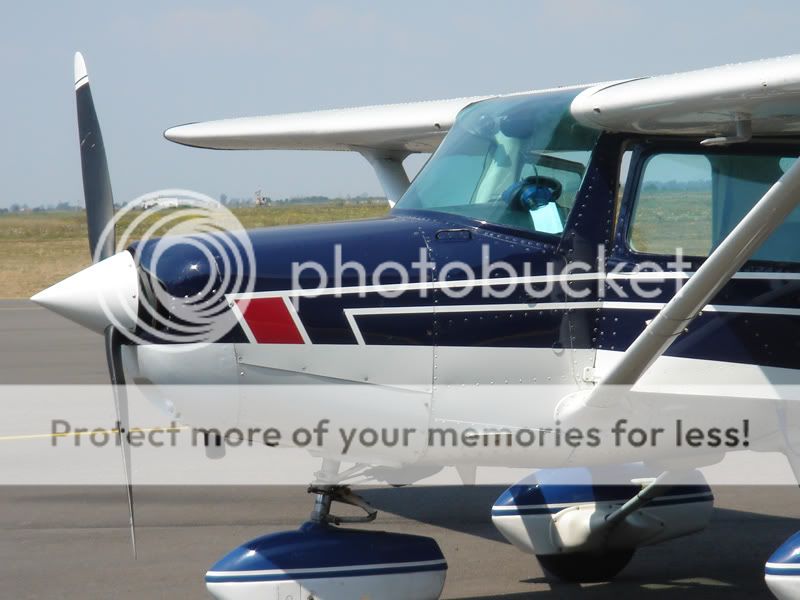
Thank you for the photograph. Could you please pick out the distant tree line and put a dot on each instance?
(697, 185)
(224, 199)
(266, 201)
(21, 208)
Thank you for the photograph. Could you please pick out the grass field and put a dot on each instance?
(40, 249)
(666, 219)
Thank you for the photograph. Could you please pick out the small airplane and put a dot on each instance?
(603, 189)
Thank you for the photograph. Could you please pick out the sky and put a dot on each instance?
(157, 64)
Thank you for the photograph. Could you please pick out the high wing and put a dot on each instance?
(411, 127)
(764, 94)
(724, 104)
(385, 135)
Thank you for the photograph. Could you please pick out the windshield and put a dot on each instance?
(515, 161)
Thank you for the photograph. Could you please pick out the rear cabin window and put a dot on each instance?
(687, 203)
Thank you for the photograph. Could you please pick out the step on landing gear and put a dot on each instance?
(321, 560)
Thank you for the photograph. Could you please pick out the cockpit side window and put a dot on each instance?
(688, 202)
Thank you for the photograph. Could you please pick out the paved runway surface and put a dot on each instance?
(59, 542)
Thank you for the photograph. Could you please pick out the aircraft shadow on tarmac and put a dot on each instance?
(726, 560)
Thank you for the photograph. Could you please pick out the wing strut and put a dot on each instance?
(671, 321)
(389, 168)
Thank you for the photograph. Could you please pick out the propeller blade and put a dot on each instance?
(114, 339)
(94, 167)
(99, 213)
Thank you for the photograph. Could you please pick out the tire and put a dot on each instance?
(585, 567)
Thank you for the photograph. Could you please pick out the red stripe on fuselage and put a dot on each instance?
(270, 321)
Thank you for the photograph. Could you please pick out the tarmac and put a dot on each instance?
(74, 542)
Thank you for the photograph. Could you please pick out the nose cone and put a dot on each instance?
(107, 293)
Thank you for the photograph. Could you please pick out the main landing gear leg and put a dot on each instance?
(322, 560)
(326, 492)
(325, 496)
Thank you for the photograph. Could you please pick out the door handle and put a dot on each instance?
(454, 235)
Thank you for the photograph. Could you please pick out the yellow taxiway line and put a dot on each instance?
(38, 436)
